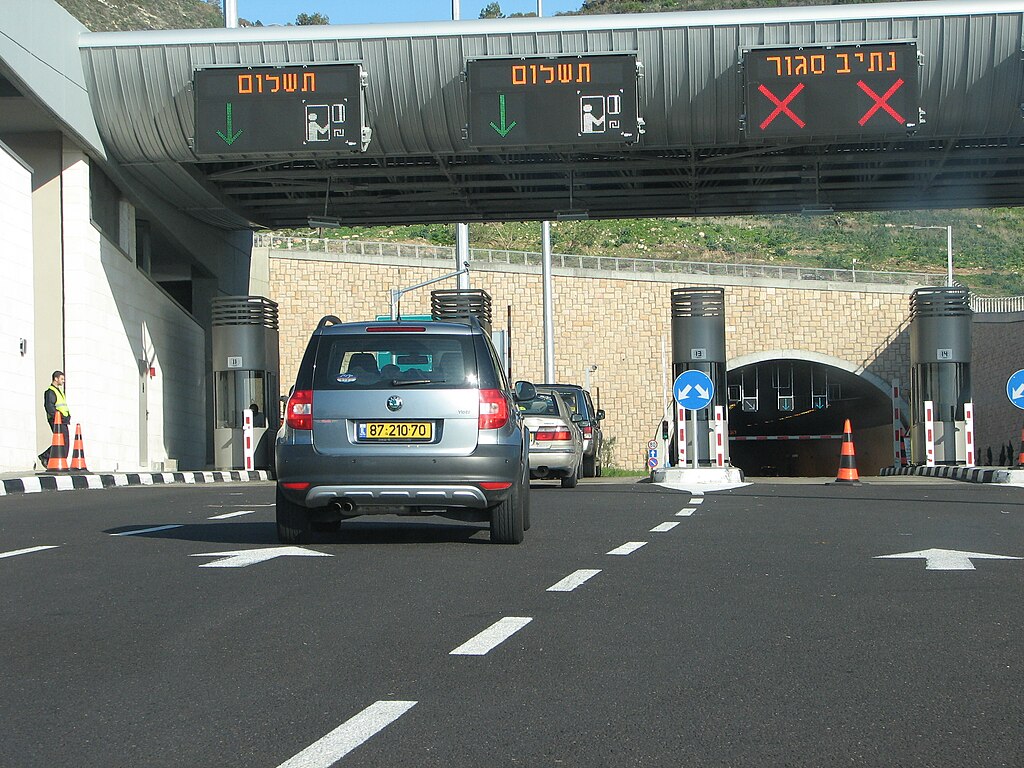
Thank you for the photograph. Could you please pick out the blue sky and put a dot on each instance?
(376, 11)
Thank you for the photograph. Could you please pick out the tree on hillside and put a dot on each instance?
(311, 19)
(492, 11)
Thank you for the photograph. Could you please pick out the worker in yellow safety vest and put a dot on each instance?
(54, 402)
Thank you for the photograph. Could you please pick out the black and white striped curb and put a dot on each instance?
(967, 474)
(71, 482)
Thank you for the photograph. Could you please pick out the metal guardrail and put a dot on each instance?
(605, 263)
(1002, 304)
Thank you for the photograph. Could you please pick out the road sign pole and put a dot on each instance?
(696, 442)
(681, 447)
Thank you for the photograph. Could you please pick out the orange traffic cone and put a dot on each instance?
(78, 452)
(847, 458)
(58, 461)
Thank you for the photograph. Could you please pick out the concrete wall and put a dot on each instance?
(118, 325)
(620, 324)
(18, 397)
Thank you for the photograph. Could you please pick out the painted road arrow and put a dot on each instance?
(946, 559)
(503, 131)
(229, 137)
(244, 557)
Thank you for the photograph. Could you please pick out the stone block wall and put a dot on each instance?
(621, 323)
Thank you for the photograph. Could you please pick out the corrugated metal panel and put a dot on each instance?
(691, 94)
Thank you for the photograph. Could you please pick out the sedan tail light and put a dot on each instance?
(493, 409)
(299, 413)
(544, 434)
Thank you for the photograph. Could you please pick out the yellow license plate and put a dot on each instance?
(395, 430)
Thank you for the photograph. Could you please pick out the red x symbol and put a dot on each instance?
(781, 106)
(881, 102)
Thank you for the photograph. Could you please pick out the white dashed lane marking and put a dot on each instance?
(148, 530)
(349, 735)
(663, 527)
(628, 548)
(696, 501)
(492, 637)
(28, 551)
(573, 580)
(685, 512)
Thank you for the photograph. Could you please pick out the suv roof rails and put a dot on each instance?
(327, 320)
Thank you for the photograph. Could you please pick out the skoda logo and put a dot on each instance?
(394, 403)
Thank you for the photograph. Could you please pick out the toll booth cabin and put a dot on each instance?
(246, 372)
(940, 359)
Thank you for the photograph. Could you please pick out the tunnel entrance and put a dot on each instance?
(786, 419)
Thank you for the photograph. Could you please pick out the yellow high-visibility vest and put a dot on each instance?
(61, 404)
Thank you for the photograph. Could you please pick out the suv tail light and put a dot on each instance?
(588, 432)
(548, 433)
(493, 409)
(299, 413)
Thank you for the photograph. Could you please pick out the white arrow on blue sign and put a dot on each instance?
(693, 390)
(1015, 388)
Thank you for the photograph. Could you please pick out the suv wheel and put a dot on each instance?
(293, 524)
(507, 517)
(526, 495)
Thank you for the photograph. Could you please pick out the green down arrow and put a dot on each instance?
(229, 137)
(503, 131)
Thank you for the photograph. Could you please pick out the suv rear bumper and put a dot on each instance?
(409, 481)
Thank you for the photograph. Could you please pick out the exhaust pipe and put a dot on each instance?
(541, 472)
(344, 506)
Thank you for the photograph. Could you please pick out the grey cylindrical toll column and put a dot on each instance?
(246, 371)
(940, 370)
(698, 343)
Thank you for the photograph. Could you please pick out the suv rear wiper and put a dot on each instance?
(407, 382)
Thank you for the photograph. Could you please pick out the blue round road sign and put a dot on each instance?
(1015, 388)
(693, 390)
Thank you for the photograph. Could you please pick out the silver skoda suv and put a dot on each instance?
(403, 417)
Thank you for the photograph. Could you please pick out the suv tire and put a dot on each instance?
(507, 518)
(293, 523)
(526, 495)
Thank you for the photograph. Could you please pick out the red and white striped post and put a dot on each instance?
(929, 433)
(681, 421)
(969, 426)
(248, 447)
(719, 436)
(897, 424)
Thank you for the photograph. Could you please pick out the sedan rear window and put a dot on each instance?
(388, 360)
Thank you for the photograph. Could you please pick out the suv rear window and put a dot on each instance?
(385, 360)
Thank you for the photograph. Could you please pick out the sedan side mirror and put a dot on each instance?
(577, 418)
(524, 390)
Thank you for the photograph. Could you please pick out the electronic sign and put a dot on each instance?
(571, 100)
(256, 110)
(832, 90)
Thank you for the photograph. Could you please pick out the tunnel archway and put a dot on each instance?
(787, 409)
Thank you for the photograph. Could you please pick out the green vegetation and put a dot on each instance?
(126, 15)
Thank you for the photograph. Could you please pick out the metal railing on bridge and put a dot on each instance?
(619, 264)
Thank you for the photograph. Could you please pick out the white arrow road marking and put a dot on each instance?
(663, 527)
(28, 551)
(244, 557)
(685, 512)
(628, 548)
(946, 559)
(226, 515)
(492, 637)
(148, 530)
(573, 580)
(349, 735)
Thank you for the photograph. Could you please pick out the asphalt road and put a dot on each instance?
(753, 627)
